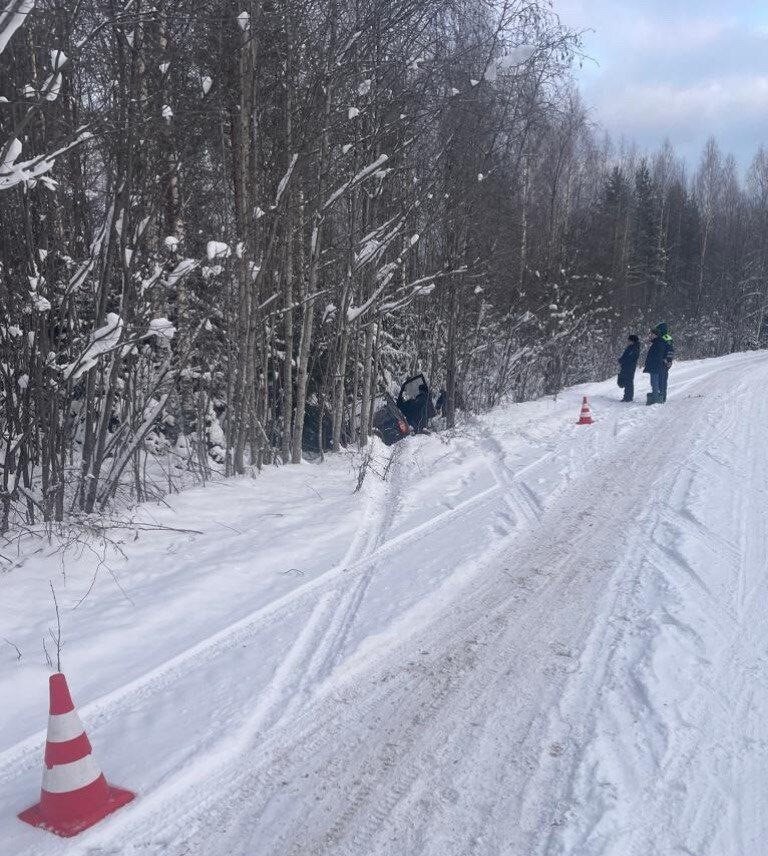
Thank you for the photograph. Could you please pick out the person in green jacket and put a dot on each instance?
(658, 362)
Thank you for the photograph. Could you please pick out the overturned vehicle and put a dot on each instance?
(412, 411)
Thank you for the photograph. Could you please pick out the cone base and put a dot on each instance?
(586, 422)
(69, 828)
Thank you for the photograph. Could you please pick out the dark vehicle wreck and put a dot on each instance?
(411, 413)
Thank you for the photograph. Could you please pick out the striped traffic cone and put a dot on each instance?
(586, 413)
(75, 794)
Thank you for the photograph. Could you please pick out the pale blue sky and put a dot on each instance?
(678, 69)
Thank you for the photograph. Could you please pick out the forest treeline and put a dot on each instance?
(221, 223)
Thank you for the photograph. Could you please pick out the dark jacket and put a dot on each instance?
(660, 354)
(628, 362)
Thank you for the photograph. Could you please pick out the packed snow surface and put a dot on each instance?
(531, 638)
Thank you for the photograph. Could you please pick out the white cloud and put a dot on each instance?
(655, 104)
(659, 35)
(672, 68)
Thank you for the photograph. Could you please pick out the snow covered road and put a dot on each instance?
(532, 638)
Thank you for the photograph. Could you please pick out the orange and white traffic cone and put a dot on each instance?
(586, 413)
(75, 795)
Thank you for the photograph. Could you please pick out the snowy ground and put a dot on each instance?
(532, 638)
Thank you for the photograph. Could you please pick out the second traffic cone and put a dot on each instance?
(586, 413)
(75, 795)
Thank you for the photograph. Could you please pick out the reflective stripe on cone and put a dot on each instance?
(64, 726)
(72, 776)
(586, 415)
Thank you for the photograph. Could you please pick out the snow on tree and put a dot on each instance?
(103, 340)
(217, 250)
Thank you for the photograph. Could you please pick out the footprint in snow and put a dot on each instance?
(560, 650)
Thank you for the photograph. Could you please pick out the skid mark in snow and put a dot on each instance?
(518, 497)
(364, 551)
(238, 741)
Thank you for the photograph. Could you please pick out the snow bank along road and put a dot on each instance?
(532, 638)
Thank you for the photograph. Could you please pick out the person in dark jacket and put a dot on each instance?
(627, 366)
(658, 362)
(420, 410)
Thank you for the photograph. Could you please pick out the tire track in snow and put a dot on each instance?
(343, 612)
(25, 754)
(583, 693)
(662, 804)
(740, 659)
(331, 642)
(704, 817)
(517, 496)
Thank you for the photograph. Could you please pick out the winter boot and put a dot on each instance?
(651, 399)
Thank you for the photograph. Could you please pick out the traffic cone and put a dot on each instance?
(586, 413)
(75, 795)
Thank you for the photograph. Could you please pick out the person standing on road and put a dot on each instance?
(658, 362)
(627, 366)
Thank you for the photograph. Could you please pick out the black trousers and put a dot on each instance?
(629, 388)
(663, 378)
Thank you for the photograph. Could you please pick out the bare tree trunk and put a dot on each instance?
(376, 370)
(288, 242)
(450, 358)
(365, 407)
(285, 440)
(315, 251)
(523, 230)
(242, 174)
(353, 422)
(305, 340)
(339, 391)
